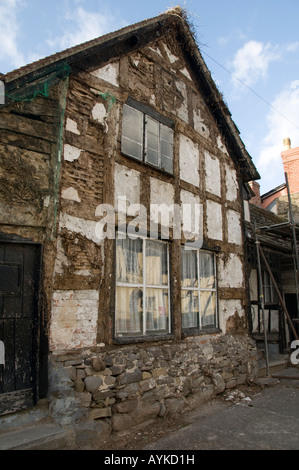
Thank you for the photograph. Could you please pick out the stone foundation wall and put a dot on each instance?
(125, 386)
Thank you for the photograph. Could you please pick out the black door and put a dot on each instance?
(291, 305)
(19, 273)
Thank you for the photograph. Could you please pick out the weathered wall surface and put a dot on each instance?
(127, 386)
(90, 376)
(29, 172)
(29, 147)
(94, 172)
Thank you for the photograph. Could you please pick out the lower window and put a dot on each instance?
(142, 287)
(199, 294)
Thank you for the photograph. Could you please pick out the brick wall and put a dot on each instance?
(290, 159)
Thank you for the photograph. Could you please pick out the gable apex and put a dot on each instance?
(99, 52)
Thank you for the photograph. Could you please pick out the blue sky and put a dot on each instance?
(251, 48)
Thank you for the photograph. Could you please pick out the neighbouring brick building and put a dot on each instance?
(110, 332)
(270, 215)
(276, 200)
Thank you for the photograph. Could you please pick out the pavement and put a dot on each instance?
(267, 421)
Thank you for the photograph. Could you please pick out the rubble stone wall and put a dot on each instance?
(127, 386)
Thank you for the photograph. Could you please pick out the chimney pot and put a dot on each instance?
(287, 143)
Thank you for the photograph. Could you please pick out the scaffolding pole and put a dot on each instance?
(279, 294)
(294, 244)
(261, 295)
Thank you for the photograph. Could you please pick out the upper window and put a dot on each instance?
(198, 284)
(147, 138)
(142, 287)
(270, 296)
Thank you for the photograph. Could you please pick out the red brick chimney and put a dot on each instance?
(290, 160)
(256, 200)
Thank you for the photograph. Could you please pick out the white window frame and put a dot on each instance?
(144, 140)
(198, 289)
(144, 286)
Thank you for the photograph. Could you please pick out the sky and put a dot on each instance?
(250, 47)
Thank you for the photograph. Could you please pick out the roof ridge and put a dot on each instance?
(56, 56)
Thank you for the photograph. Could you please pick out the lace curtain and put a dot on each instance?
(142, 287)
(198, 297)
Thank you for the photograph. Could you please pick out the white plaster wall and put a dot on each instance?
(162, 200)
(228, 308)
(185, 72)
(231, 184)
(234, 230)
(182, 111)
(127, 185)
(61, 260)
(189, 212)
(74, 319)
(172, 58)
(230, 272)
(199, 124)
(72, 126)
(221, 145)
(189, 161)
(161, 192)
(87, 228)
(71, 153)
(109, 73)
(213, 181)
(214, 220)
(189, 198)
(71, 194)
(99, 114)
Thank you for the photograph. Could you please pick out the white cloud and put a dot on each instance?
(292, 47)
(82, 25)
(9, 30)
(280, 124)
(252, 61)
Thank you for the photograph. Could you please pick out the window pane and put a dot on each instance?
(129, 261)
(152, 141)
(152, 127)
(167, 164)
(189, 268)
(156, 304)
(270, 295)
(166, 149)
(166, 145)
(133, 124)
(156, 264)
(208, 309)
(131, 148)
(207, 271)
(190, 309)
(132, 133)
(166, 134)
(128, 311)
(152, 157)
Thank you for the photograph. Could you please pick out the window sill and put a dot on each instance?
(148, 165)
(196, 332)
(143, 339)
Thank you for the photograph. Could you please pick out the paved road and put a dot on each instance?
(269, 422)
